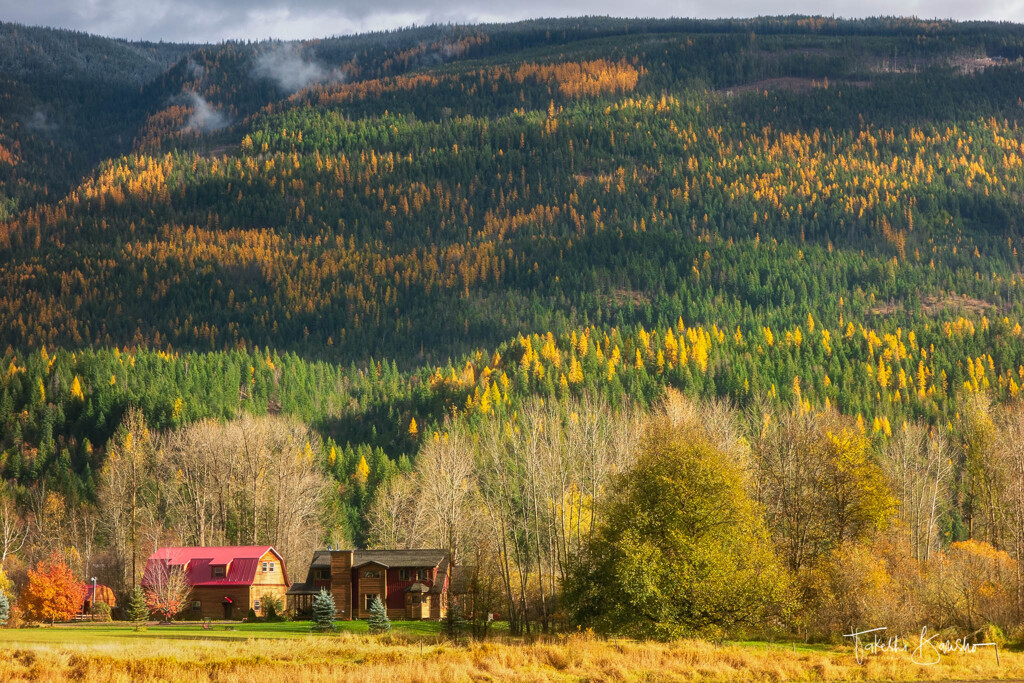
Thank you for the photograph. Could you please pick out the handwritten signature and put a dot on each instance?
(928, 651)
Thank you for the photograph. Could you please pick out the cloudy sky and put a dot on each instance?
(214, 20)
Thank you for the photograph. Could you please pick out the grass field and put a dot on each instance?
(99, 633)
(416, 652)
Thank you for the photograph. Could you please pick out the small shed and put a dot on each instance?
(93, 595)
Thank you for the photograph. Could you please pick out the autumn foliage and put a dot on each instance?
(53, 592)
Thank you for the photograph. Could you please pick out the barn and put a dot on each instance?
(226, 581)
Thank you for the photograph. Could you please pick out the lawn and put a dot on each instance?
(105, 633)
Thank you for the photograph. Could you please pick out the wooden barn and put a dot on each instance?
(226, 581)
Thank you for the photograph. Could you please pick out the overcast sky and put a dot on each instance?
(215, 20)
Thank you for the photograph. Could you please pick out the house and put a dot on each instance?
(413, 584)
(225, 581)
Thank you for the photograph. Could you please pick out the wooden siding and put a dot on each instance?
(269, 578)
(258, 592)
(396, 585)
(211, 599)
(370, 586)
(341, 583)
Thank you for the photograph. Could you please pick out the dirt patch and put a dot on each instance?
(930, 305)
(219, 151)
(971, 65)
(630, 296)
(791, 83)
(965, 64)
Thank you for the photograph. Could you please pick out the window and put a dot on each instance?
(371, 574)
(264, 567)
(368, 600)
(322, 574)
(256, 605)
(197, 605)
(422, 574)
(218, 571)
(403, 574)
(271, 566)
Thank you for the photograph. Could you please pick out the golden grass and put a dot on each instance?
(349, 657)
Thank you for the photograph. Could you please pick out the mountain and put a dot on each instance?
(366, 230)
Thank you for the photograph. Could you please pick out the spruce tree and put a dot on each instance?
(454, 620)
(136, 610)
(323, 611)
(5, 609)
(378, 621)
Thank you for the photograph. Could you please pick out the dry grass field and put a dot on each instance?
(26, 655)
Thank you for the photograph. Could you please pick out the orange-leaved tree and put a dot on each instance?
(167, 589)
(53, 592)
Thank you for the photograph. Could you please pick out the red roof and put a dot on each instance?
(241, 562)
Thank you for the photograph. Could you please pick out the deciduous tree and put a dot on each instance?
(53, 592)
(166, 588)
(683, 549)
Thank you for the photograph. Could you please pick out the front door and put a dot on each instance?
(227, 609)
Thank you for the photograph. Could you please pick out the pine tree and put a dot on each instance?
(5, 609)
(378, 621)
(136, 610)
(323, 611)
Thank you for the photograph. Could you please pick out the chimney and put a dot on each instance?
(341, 582)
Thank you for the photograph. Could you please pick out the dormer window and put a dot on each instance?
(219, 571)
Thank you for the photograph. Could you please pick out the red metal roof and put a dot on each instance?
(241, 562)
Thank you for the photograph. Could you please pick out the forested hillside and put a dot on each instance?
(380, 239)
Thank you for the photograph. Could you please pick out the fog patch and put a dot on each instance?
(291, 71)
(204, 118)
(195, 69)
(39, 121)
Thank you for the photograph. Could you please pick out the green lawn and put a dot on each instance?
(94, 633)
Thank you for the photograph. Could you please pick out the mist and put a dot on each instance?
(204, 118)
(39, 121)
(291, 72)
